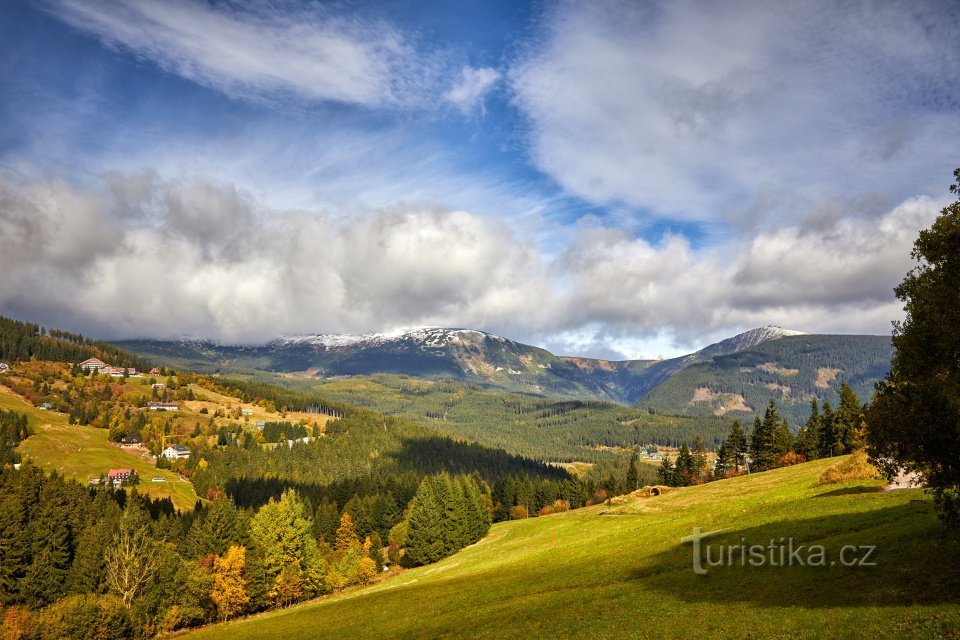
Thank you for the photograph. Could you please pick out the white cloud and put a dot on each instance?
(260, 50)
(140, 257)
(694, 110)
(469, 93)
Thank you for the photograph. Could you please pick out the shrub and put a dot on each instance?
(855, 467)
(86, 617)
(17, 624)
(791, 458)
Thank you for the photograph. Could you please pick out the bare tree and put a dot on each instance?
(132, 560)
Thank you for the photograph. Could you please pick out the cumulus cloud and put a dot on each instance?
(468, 94)
(155, 257)
(694, 110)
(260, 50)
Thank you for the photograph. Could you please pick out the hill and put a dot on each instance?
(83, 452)
(791, 370)
(532, 426)
(621, 571)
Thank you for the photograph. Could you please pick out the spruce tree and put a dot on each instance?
(737, 443)
(633, 474)
(424, 525)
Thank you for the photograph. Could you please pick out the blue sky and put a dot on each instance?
(616, 179)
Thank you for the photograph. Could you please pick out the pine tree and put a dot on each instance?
(424, 542)
(14, 548)
(827, 440)
(633, 474)
(737, 443)
(684, 466)
(666, 472)
(849, 420)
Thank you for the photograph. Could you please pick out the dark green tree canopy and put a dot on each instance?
(914, 421)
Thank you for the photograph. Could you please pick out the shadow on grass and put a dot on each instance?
(847, 491)
(913, 561)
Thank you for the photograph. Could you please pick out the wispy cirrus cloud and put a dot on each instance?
(692, 110)
(261, 50)
(469, 92)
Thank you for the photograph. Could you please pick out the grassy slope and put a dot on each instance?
(83, 452)
(621, 572)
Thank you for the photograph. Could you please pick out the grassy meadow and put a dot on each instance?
(620, 571)
(84, 452)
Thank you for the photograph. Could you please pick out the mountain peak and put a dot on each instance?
(744, 340)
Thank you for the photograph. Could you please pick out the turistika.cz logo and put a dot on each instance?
(779, 552)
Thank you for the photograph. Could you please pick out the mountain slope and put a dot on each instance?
(588, 574)
(458, 354)
(791, 370)
(498, 363)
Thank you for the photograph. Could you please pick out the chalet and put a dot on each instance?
(44, 406)
(133, 442)
(159, 386)
(119, 476)
(163, 406)
(176, 452)
(154, 371)
(4, 367)
(93, 364)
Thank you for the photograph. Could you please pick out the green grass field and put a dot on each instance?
(621, 571)
(83, 452)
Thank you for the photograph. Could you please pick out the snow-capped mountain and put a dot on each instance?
(458, 354)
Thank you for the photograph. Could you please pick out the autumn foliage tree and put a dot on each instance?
(229, 591)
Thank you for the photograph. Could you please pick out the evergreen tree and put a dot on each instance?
(14, 548)
(914, 421)
(684, 467)
(633, 474)
(827, 433)
(424, 525)
(849, 420)
(768, 439)
(737, 443)
(666, 472)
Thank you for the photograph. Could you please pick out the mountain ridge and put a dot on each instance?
(469, 355)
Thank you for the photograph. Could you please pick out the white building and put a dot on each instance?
(176, 452)
(93, 364)
(162, 406)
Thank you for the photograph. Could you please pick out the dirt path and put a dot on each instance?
(905, 480)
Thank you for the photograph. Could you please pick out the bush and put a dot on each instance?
(855, 467)
(86, 617)
(518, 512)
(791, 458)
(18, 624)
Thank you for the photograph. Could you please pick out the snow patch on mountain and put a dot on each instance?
(433, 337)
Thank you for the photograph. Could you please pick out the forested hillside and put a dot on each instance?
(792, 371)
(532, 426)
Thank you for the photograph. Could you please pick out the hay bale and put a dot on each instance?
(652, 491)
(855, 467)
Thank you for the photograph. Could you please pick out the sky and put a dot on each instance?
(603, 179)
